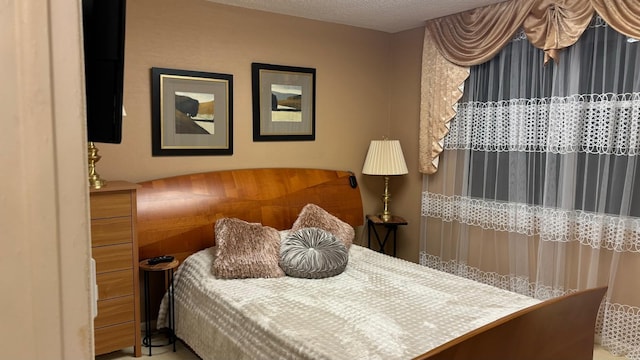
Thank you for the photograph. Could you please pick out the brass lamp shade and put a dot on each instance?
(385, 158)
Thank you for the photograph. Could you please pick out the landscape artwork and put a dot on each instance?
(286, 103)
(194, 113)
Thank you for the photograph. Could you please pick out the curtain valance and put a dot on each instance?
(455, 42)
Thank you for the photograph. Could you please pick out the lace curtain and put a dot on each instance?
(453, 43)
(538, 187)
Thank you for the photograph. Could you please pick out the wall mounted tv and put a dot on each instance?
(103, 23)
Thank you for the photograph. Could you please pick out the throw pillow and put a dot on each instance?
(246, 250)
(313, 253)
(313, 215)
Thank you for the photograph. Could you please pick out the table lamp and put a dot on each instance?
(385, 158)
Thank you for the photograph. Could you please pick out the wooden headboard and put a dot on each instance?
(176, 214)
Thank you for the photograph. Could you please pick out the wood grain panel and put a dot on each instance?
(115, 284)
(110, 231)
(116, 337)
(111, 204)
(559, 328)
(114, 311)
(176, 215)
(113, 258)
(115, 249)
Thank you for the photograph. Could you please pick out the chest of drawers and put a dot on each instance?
(114, 247)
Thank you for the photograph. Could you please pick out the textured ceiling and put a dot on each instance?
(384, 15)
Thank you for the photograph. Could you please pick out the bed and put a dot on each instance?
(377, 307)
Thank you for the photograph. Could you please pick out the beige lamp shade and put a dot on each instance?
(384, 157)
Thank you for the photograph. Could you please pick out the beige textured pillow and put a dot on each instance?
(246, 250)
(313, 215)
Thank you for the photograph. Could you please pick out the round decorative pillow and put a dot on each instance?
(313, 253)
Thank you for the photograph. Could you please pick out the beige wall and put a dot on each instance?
(364, 78)
(44, 218)
(404, 122)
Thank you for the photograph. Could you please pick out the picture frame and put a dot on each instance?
(176, 96)
(284, 102)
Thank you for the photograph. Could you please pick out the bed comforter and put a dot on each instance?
(380, 307)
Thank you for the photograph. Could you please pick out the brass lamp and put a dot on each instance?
(385, 158)
(95, 182)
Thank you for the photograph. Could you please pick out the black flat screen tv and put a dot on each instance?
(103, 23)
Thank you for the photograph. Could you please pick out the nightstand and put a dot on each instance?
(391, 227)
(167, 268)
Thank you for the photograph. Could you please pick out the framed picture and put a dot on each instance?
(284, 102)
(192, 113)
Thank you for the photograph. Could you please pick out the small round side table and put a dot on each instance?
(167, 268)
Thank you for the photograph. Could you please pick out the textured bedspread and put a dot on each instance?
(379, 308)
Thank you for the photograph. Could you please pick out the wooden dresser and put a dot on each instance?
(114, 246)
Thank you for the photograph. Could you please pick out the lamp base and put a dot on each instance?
(386, 198)
(95, 182)
(385, 217)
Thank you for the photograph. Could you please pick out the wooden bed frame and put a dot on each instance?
(176, 216)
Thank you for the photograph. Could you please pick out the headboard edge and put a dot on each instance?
(176, 214)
